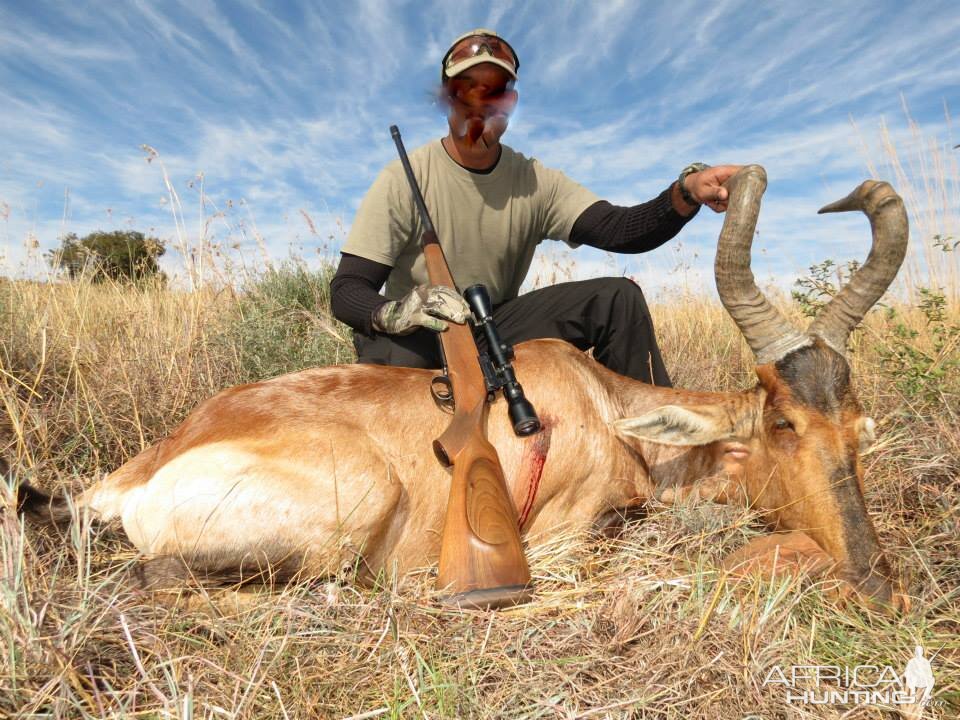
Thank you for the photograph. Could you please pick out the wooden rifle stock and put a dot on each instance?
(482, 562)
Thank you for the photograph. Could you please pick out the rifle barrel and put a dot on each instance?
(417, 195)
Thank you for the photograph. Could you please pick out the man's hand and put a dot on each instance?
(425, 306)
(707, 188)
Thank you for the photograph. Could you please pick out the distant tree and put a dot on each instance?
(116, 255)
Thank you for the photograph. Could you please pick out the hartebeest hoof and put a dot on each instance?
(887, 601)
(796, 552)
(778, 554)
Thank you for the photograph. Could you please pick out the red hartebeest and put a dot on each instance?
(316, 469)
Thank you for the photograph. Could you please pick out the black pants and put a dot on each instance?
(609, 315)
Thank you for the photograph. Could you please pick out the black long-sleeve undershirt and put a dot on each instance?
(355, 289)
(635, 229)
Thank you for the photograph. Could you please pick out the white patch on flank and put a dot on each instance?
(226, 500)
(198, 492)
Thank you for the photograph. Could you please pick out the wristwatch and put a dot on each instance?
(689, 170)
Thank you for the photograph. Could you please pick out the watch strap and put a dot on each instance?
(689, 170)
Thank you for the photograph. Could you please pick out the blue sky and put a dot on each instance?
(283, 108)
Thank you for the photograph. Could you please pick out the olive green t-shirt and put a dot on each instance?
(488, 224)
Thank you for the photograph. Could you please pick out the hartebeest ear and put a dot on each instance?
(677, 425)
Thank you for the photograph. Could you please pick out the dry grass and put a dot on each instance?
(642, 626)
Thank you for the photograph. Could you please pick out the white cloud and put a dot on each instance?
(284, 107)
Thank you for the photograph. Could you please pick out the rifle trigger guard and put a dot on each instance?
(442, 390)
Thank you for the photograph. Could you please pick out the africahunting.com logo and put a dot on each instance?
(858, 685)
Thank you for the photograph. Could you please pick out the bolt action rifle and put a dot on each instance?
(482, 563)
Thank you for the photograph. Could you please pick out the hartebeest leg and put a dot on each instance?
(716, 489)
(169, 571)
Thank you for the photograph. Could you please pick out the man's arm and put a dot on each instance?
(649, 225)
(634, 229)
(355, 291)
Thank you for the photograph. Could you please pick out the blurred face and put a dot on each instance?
(480, 100)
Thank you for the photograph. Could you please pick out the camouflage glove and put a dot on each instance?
(424, 306)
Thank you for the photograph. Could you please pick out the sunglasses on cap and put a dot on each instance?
(477, 45)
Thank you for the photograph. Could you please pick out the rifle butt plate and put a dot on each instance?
(489, 598)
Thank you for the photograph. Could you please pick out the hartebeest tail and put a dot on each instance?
(42, 508)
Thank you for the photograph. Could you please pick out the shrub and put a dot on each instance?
(815, 290)
(923, 372)
(115, 255)
(284, 323)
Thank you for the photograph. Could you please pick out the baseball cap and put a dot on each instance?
(479, 46)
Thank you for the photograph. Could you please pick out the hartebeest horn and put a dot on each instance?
(766, 331)
(888, 221)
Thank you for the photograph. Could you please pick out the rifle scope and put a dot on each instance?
(522, 414)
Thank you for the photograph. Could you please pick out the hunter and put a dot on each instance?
(491, 207)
